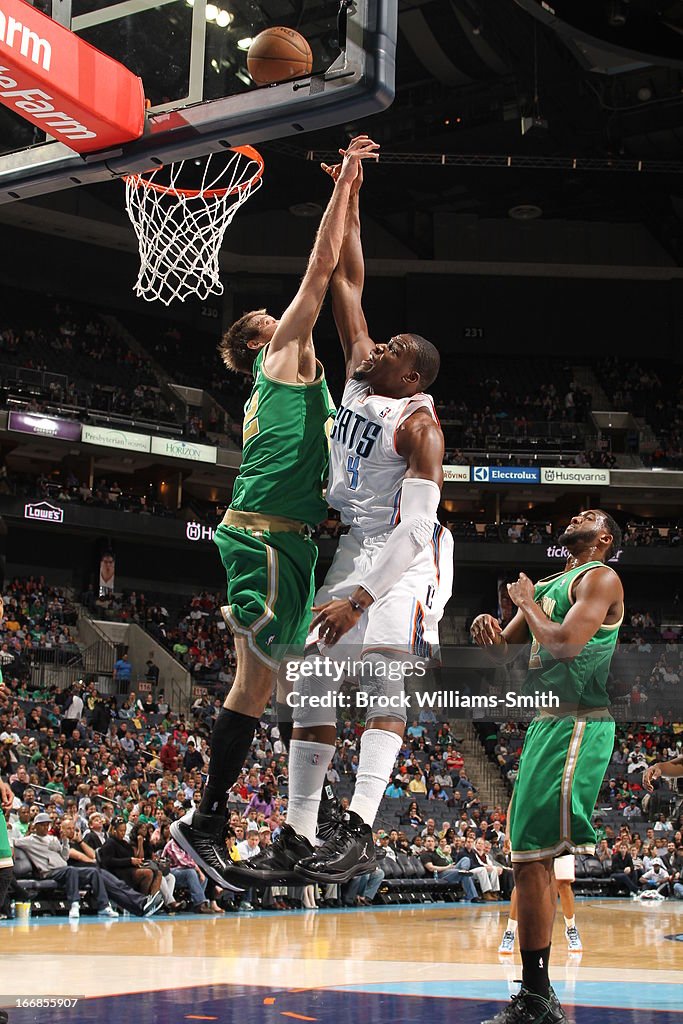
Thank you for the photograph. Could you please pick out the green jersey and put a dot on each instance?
(583, 680)
(285, 448)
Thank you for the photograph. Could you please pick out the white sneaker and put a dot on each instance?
(108, 911)
(507, 943)
(573, 940)
(74, 912)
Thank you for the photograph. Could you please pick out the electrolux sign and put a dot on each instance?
(506, 475)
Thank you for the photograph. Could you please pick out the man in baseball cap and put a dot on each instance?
(48, 856)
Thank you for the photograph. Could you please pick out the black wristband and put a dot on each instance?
(355, 605)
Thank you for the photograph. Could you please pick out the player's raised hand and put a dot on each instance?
(360, 148)
(485, 630)
(334, 169)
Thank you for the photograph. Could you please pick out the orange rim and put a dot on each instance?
(192, 193)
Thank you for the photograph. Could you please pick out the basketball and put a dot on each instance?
(278, 54)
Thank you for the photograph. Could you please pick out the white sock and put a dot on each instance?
(378, 752)
(511, 926)
(570, 922)
(307, 769)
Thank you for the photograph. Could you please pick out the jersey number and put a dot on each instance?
(353, 468)
(250, 426)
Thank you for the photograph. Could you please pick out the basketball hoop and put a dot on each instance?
(180, 230)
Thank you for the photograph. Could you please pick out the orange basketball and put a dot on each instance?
(278, 54)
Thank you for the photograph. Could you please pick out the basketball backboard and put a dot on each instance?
(191, 57)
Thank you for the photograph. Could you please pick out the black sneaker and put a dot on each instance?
(348, 852)
(530, 1008)
(560, 1017)
(202, 838)
(329, 817)
(275, 865)
(152, 905)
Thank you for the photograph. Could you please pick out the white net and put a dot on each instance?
(180, 231)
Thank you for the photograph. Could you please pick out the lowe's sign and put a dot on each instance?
(506, 475)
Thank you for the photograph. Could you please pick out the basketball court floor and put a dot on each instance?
(437, 963)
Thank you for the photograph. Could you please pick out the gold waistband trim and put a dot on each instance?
(257, 522)
(566, 710)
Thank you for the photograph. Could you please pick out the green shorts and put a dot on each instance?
(5, 848)
(561, 770)
(271, 586)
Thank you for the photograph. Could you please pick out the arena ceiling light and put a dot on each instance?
(525, 211)
(618, 13)
(307, 209)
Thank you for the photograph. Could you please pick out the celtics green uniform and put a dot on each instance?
(5, 848)
(284, 464)
(566, 752)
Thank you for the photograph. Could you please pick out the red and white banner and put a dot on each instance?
(63, 85)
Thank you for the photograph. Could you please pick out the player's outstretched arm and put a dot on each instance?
(348, 281)
(292, 339)
(599, 593)
(668, 769)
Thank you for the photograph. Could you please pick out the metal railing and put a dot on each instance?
(35, 378)
(61, 668)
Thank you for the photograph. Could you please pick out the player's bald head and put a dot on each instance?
(426, 358)
(612, 527)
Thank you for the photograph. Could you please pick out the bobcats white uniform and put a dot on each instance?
(366, 477)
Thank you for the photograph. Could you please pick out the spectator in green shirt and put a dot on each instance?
(56, 785)
(600, 832)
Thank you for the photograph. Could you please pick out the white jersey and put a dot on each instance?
(366, 471)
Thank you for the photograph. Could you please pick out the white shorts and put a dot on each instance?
(405, 619)
(564, 868)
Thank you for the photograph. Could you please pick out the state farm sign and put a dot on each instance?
(63, 85)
